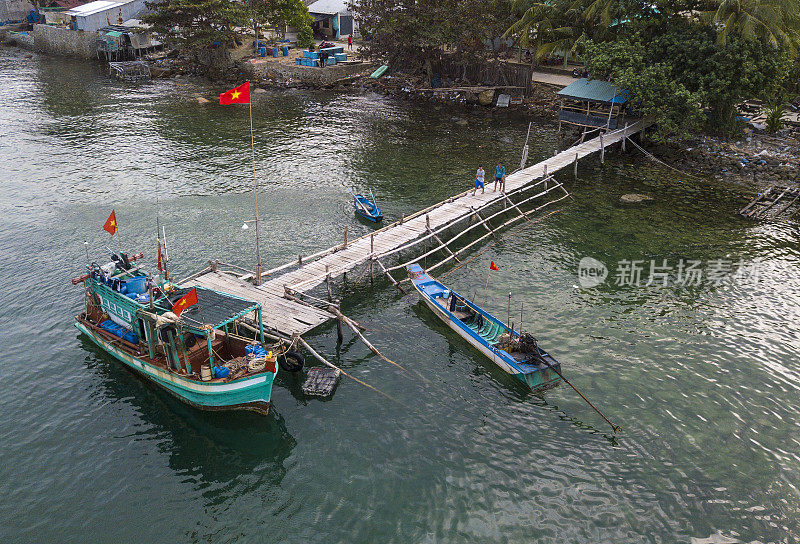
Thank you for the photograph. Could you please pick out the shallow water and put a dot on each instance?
(704, 379)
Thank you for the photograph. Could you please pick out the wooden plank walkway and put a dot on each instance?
(292, 316)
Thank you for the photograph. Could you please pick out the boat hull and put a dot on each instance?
(251, 393)
(539, 380)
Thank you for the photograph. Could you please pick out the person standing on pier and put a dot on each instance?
(479, 177)
(350, 42)
(500, 177)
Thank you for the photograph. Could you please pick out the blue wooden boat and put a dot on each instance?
(208, 356)
(518, 354)
(366, 207)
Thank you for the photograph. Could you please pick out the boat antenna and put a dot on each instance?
(509, 305)
(521, 306)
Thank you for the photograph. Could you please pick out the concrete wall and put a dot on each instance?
(62, 41)
(14, 10)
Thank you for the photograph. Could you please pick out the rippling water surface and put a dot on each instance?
(704, 379)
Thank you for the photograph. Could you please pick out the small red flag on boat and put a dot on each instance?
(493, 266)
(110, 225)
(159, 265)
(184, 302)
(237, 95)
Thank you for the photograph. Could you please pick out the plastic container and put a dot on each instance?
(298, 61)
(205, 373)
(136, 285)
(285, 50)
(221, 372)
(275, 52)
(130, 336)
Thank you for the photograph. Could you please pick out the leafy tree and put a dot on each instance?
(193, 23)
(679, 71)
(199, 23)
(413, 31)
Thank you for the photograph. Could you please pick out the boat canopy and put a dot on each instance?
(213, 308)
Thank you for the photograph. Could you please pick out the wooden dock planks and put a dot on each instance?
(289, 316)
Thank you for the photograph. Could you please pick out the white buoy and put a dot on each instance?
(245, 227)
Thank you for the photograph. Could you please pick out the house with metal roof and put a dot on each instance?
(591, 104)
(96, 15)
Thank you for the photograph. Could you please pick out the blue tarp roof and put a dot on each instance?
(595, 91)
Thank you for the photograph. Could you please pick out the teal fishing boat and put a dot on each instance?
(518, 354)
(203, 346)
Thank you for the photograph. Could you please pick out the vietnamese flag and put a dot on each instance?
(493, 266)
(110, 225)
(184, 302)
(237, 95)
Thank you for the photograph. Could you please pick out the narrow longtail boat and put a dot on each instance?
(211, 355)
(518, 354)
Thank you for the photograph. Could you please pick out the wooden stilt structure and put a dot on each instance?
(760, 206)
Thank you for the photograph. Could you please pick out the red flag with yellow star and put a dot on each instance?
(184, 302)
(237, 95)
(110, 225)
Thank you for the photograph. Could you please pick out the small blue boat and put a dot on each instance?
(367, 208)
(518, 354)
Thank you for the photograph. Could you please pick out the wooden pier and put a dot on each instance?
(763, 206)
(289, 308)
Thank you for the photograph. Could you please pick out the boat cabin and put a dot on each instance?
(212, 340)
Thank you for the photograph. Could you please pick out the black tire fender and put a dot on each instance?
(291, 361)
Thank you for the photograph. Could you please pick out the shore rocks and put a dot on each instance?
(634, 198)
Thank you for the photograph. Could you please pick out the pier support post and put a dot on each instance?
(624, 136)
(345, 237)
(371, 258)
(602, 150)
(328, 282)
(339, 335)
(575, 168)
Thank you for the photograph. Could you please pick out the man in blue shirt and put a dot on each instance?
(500, 177)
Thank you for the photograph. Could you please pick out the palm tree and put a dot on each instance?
(775, 21)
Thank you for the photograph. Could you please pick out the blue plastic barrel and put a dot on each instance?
(274, 51)
(285, 50)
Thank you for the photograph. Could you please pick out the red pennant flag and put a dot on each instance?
(493, 266)
(110, 225)
(159, 265)
(237, 95)
(184, 302)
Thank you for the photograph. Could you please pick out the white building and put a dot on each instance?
(333, 18)
(95, 15)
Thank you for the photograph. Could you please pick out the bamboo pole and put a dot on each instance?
(257, 278)
(394, 282)
(322, 360)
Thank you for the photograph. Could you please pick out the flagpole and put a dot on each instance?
(255, 190)
(119, 239)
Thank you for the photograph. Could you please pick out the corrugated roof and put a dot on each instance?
(97, 7)
(329, 7)
(595, 91)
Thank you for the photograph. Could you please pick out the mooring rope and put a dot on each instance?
(659, 161)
